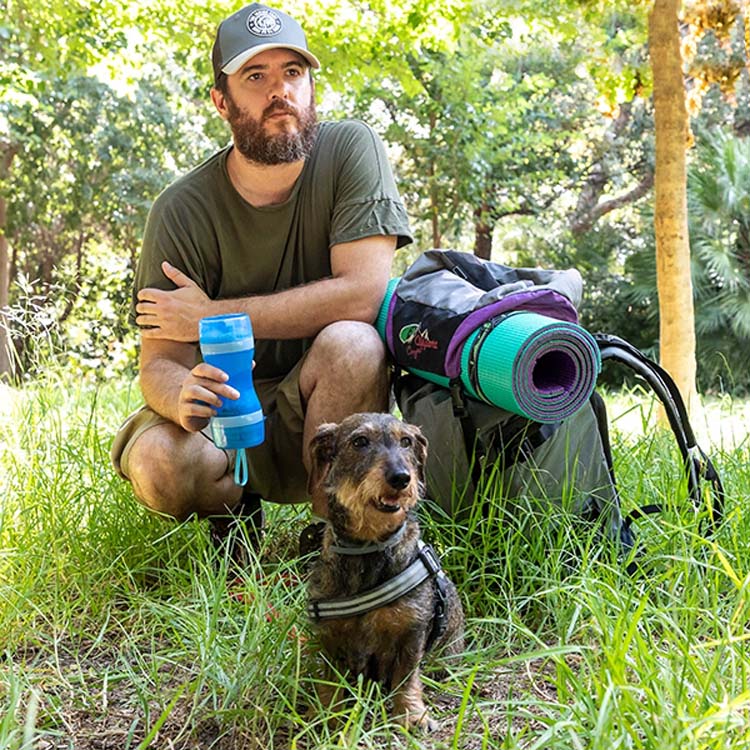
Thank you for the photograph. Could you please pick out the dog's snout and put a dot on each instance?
(398, 478)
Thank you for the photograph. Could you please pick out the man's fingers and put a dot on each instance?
(225, 390)
(149, 294)
(146, 319)
(175, 275)
(204, 370)
(194, 409)
(217, 391)
(197, 396)
(214, 379)
(147, 308)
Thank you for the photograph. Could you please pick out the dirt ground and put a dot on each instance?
(79, 710)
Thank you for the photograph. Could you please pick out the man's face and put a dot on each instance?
(270, 106)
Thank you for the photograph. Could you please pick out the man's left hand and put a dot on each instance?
(172, 315)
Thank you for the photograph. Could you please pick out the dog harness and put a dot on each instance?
(426, 565)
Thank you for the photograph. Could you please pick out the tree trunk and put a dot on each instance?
(674, 283)
(482, 233)
(7, 152)
(435, 214)
(434, 193)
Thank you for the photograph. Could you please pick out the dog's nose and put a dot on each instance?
(398, 479)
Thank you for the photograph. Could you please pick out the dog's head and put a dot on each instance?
(372, 467)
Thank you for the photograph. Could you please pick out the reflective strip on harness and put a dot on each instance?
(426, 565)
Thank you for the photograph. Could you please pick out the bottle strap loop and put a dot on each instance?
(240, 468)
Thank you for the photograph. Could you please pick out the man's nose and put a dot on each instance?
(278, 88)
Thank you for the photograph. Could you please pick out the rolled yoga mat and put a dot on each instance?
(529, 364)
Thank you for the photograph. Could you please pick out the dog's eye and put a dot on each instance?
(406, 442)
(360, 441)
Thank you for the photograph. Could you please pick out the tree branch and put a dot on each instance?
(583, 223)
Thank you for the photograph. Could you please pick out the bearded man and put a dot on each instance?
(294, 223)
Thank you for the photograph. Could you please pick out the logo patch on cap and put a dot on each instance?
(264, 22)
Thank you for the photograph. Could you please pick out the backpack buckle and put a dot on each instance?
(458, 399)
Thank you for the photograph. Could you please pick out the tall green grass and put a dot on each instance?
(119, 629)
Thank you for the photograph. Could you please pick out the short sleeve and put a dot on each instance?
(367, 199)
(171, 235)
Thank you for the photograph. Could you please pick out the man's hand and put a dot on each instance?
(200, 396)
(172, 315)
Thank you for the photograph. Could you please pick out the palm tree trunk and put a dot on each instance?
(674, 283)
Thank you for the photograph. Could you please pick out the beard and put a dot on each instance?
(252, 141)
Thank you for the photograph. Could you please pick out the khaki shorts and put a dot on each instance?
(275, 467)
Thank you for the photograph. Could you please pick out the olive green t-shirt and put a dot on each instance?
(202, 225)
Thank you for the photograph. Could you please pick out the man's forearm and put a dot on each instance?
(160, 381)
(359, 274)
(302, 311)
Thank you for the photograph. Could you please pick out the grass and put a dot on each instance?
(119, 629)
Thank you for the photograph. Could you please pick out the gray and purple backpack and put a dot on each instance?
(492, 365)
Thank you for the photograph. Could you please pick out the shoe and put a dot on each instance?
(239, 535)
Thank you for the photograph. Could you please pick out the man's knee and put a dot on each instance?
(346, 370)
(349, 347)
(165, 472)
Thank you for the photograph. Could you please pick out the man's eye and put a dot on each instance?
(360, 441)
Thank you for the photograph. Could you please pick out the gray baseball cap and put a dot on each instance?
(253, 30)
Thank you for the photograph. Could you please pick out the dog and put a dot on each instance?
(371, 467)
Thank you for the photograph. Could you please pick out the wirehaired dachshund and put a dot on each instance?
(378, 598)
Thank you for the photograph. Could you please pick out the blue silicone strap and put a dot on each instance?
(240, 468)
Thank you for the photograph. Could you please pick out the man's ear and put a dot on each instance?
(220, 102)
(322, 453)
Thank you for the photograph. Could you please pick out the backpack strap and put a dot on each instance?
(475, 448)
(698, 465)
(600, 412)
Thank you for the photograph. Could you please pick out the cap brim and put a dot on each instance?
(239, 60)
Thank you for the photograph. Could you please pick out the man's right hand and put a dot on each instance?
(200, 396)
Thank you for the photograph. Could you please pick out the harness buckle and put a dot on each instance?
(430, 559)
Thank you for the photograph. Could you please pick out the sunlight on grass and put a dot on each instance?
(721, 422)
(121, 630)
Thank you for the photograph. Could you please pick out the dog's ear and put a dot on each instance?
(420, 450)
(322, 452)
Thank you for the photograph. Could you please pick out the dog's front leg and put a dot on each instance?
(331, 695)
(408, 706)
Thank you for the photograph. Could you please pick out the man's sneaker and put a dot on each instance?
(237, 535)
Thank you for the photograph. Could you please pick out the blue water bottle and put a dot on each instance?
(227, 342)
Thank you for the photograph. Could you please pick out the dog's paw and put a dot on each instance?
(419, 721)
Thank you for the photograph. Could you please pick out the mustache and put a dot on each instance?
(280, 106)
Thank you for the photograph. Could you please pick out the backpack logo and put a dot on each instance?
(264, 22)
(416, 340)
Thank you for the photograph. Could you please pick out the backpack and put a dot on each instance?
(433, 319)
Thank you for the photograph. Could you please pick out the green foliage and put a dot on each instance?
(99, 109)
(93, 159)
(480, 101)
(59, 37)
(618, 62)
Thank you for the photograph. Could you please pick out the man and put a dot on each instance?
(295, 223)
